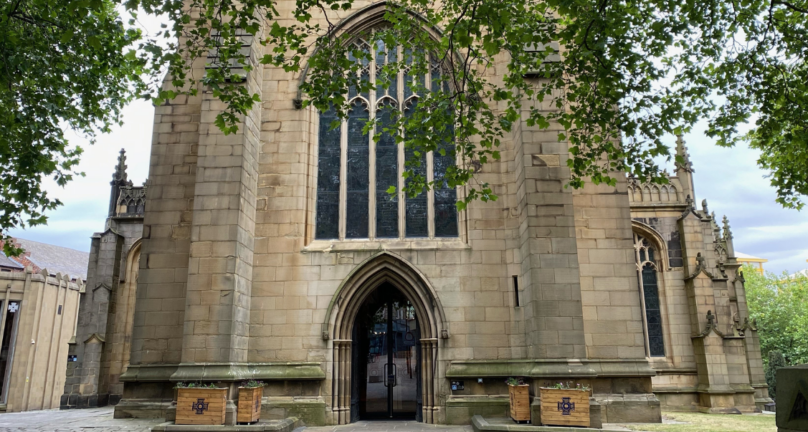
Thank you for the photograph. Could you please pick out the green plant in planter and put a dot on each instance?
(568, 386)
(252, 384)
(515, 381)
(195, 385)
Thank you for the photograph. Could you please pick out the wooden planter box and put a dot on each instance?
(201, 406)
(520, 402)
(249, 404)
(564, 407)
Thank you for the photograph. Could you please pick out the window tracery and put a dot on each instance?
(355, 171)
(646, 259)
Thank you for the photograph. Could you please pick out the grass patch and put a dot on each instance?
(698, 422)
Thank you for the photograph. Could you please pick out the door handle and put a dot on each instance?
(390, 376)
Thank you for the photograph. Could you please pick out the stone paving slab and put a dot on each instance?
(79, 420)
(389, 426)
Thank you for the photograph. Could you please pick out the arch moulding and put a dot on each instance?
(648, 232)
(381, 268)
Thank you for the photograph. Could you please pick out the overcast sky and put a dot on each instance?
(728, 178)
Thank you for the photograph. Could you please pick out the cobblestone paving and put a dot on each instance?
(83, 420)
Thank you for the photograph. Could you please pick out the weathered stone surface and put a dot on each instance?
(547, 283)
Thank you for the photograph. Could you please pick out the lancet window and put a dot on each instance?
(646, 257)
(355, 171)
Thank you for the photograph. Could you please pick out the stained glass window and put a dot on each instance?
(653, 315)
(445, 196)
(358, 173)
(386, 174)
(416, 209)
(354, 198)
(649, 290)
(328, 178)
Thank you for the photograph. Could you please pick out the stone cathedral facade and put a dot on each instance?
(276, 254)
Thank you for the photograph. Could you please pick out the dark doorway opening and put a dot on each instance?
(385, 376)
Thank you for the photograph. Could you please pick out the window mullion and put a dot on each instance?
(372, 169)
(343, 178)
(430, 196)
(402, 200)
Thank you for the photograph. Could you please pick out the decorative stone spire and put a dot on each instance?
(727, 232)
(681, 150)
(684, 168)
(716, 227)
(704, 207)
(728, 240)
(120, 176)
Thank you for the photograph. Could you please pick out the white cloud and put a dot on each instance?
(735, 186)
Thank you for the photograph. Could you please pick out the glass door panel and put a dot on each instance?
(387, 357)
(376, 391)
(404, 332)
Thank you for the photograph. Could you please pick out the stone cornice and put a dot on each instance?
(561, 368)
(277, 371)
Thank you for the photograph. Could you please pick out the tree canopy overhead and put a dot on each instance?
(617, 76)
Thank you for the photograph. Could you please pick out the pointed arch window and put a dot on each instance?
(645, 257)
(355, 172)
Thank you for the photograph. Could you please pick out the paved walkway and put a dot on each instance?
(389, 426)
(83, 420)
(100, 420)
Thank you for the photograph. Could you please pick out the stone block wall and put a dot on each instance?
(45, 325)
(612, 309)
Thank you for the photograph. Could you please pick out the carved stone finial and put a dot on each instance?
(712, 326)
(737, 328)
(716, 227)
(727, 231)
(681, 151)
(721, 269)
(699, 262)
(120, 176)
(704, 206)
(689, 202)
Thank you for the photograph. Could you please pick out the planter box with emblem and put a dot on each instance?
(201, 406)
(564, 407)
(249, 404)
(520, 402)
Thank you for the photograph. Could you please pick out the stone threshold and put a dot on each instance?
(285, 425)
(499, 424)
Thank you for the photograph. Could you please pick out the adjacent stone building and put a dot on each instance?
(276, 254)
(38, 314)
(39, 305)
(102, 343)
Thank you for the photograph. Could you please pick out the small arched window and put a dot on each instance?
(355, 171)
(645, 257)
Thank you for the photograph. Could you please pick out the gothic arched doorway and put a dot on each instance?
(384, 282)
(385, 380)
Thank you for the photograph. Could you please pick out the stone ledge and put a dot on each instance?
(279, 371)
(561, 368)
(480, 424)
(143, 409)
(327, 246)
(285, 425)
(310, 411)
